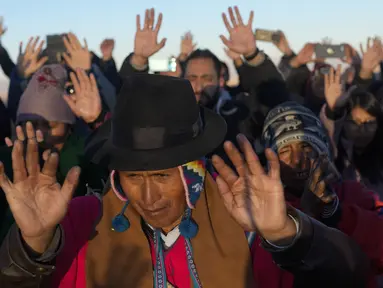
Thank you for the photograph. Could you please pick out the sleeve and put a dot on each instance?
(6, 62)
(321, 256)
(265, 85)
(128, 69)
(19, 269)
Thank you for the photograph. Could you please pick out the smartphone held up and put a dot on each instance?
(267, 35)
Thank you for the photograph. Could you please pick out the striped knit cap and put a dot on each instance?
(291, 122)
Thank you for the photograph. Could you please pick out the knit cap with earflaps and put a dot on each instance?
(43, 98)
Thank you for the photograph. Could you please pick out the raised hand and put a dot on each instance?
(304, 56)
(254, 198)
(86, 101)
(187, 45)
(30, 133)
(283, 45)
(352, 56)
(146, 40)
(2, 28)
(76, 56)
(242, 39)
(38, 203)
(232, 55)
(107, 47)
(29, 61)
(333, 87)
(372, 56)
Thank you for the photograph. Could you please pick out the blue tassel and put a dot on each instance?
(188, 228)
(120, 223)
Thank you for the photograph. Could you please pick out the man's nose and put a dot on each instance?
(149, 193)
(298, 159)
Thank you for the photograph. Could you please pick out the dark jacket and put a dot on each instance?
(6, 62)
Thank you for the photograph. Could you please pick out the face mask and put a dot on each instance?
(360, 135)
(209, 96)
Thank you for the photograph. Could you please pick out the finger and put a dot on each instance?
(138, 23)
(21, 48)
(41, 62)
(70, 183)
(29, 45)
(326, 82)
(18, 163)
(67, 59)
(67, 44)
(361, 49)
(332, 75)
(146, 22)
(85, 44)
(8, 142)
(50, 166)
(225, 192)
(368, 43)
(151, 18)
(5, 183)
(226, 22)
(32, 159)
(20, 133)
(30, 131)
(76, 45)
(338, 74)
(161, 44)
(75, 82)
(236, 158)
(86, 80)
(227, 174)
(39, 136)
(39, 48)
(46, 154)
(159, 23)
(232, 17)
(251, 19)
(227, 42)
(274, 166)
(93, 83)
(34, 44)
(238, 15)
(253, 164)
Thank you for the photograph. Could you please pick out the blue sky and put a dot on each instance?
(302, 20)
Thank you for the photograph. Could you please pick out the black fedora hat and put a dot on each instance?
(156, 124)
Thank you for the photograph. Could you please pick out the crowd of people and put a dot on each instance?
(122, 178)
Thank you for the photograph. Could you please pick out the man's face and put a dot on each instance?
(201, 73)
(296, 159)
(158, 196)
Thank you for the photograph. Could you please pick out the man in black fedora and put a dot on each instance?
(164, 220)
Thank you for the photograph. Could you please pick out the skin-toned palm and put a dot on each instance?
(76, 56)
(242, 39)
(86, 101)
(38, 203)
(187, 45)
(2, 28)
(254, 198)
(333, 86)
(146, 39)
(107, 47)
(372, 55)
(29, 61)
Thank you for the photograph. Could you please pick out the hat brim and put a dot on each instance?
(100, 150)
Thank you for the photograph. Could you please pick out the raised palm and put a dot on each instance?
(254, 198)
(29, 61)
(333, 87)
(146, 39)
(86, 101)
(242, 39)
(38, 203)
